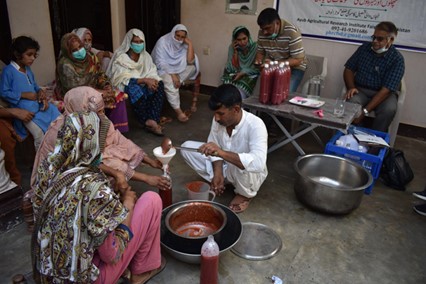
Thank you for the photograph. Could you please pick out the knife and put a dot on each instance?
(191, 149)
(186, 148)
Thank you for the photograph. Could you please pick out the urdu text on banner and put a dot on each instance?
(354, 20)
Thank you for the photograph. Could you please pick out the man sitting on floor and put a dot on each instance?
(373, 75)
(236, 149)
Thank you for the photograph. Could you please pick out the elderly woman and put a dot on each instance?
(85, 232)
(120, 154)
(176, 62)
(132, 71)
(240, 70)
(86, 37)
(79, 67)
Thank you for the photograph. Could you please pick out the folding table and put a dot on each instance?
(308, 116)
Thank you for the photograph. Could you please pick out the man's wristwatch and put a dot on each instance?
(365, 111)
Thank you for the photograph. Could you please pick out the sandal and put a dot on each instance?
(164, 120)
(146, 276)
(188, 113)
(156, 130)
(239, 203)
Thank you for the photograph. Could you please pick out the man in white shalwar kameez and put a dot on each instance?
(236, 149)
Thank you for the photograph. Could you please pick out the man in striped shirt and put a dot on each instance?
(279, 40)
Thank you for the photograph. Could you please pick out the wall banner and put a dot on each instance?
(354, 20)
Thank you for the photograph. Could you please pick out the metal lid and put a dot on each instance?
(257, 242)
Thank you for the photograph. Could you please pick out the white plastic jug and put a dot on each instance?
(348, 141)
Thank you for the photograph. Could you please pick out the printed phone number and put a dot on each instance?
(349, 30)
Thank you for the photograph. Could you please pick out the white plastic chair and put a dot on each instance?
(317, 66)
(393, 127)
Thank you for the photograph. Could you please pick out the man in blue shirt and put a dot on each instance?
(373, 76)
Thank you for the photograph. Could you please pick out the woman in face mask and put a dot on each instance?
(79, 67)
(176, 62)
(86, 37)
(132, 70)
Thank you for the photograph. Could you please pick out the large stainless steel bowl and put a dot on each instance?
(329, 183)
(189, 250)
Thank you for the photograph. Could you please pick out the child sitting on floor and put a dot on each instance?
(19, 88)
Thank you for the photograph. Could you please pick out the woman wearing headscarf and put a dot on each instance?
(176, 62)
(131, 70)
(85, 232)
(119, 153)
(79, 67)
(86, 37)
(240, 70)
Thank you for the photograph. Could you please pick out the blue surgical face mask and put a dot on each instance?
(137, 47)
(274, 35)
(79, 54)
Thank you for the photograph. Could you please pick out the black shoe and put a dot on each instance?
(420, 194)
(421, 209)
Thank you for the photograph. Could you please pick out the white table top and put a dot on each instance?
(306, 114)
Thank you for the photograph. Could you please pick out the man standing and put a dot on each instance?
(279, 40)
(236, 149)
(373, 76)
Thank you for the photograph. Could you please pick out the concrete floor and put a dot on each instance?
(383, 241)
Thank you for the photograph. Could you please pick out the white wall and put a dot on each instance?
(210, 26)
(31, 18)
(118, 22)
(415, 79)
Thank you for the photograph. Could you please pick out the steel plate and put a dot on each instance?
(257, 242)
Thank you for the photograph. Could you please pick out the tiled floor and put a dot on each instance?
(383, 241)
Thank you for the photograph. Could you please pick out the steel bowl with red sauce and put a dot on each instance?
(196, 220)
(188, 249)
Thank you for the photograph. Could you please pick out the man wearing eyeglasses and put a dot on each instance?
(373, 76)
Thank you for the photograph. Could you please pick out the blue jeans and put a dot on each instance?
(296, 78)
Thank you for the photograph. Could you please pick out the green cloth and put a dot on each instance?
(245, 64)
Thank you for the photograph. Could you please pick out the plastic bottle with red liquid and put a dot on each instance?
(287, 80)
(277, 94)
(166, 195)
(266, 77)
(209, 262)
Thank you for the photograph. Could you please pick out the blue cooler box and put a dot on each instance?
(372, 163)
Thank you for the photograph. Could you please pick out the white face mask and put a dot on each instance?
(178, 41)
(380, 50)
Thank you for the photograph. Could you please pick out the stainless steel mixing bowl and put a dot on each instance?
(329, 183)
(189, 250)
(196, 220)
